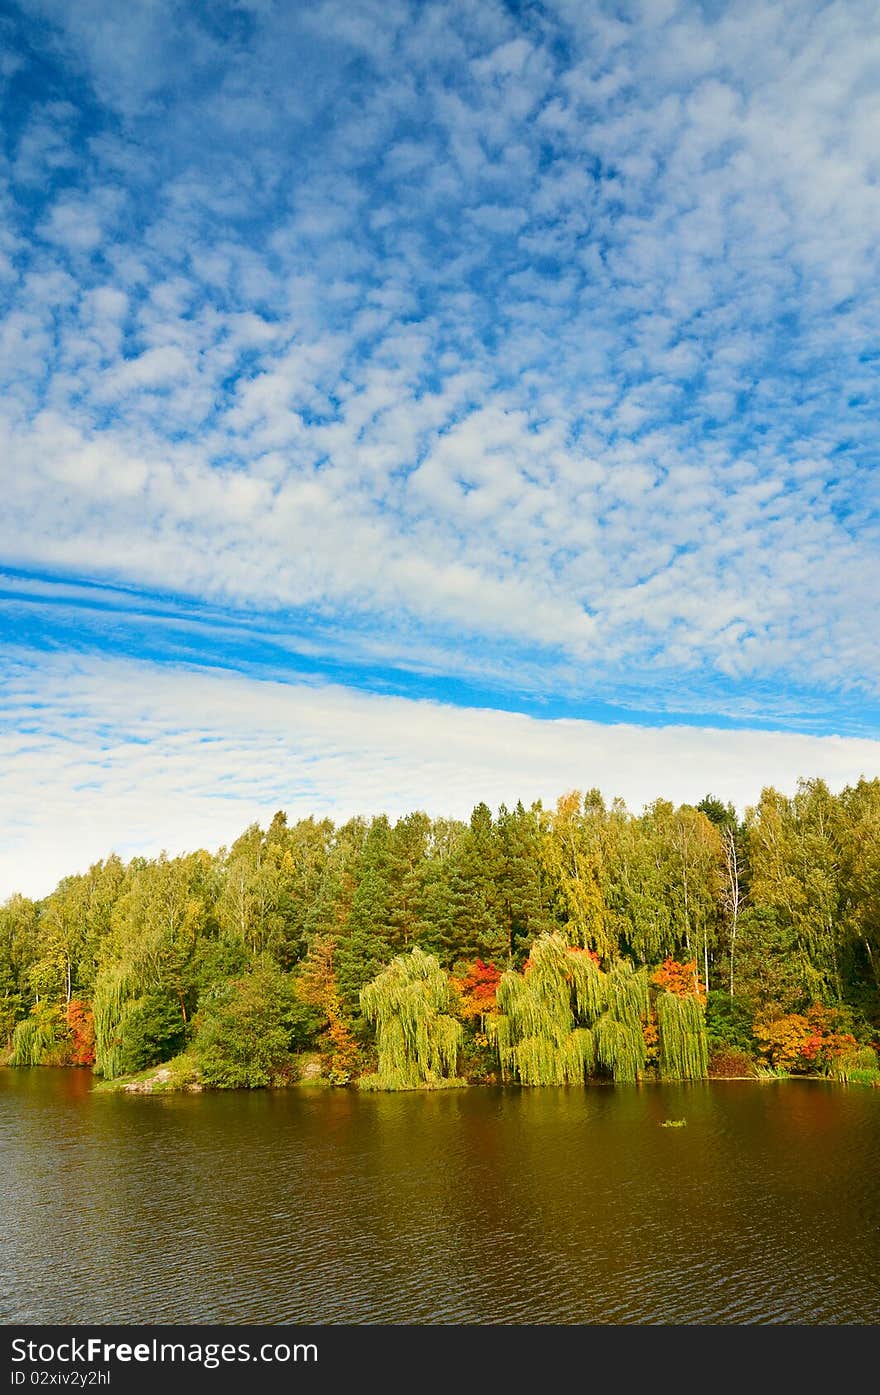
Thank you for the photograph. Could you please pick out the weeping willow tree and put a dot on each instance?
(562, 1016)
(116, 991)
(36, 1038)
(620, 1040)
(536, 1032)
(416, 1037)
(684, 1049)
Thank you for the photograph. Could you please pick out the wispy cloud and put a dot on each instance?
(98, 755)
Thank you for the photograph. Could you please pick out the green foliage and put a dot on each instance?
(11, 1011)
(474, 906)
(857, 1067)
(247, 1032)
(796, 852)
(728, 1023)
(620, 1048)
(114, 989)
(151, 1030)
(40, 1038)
(215, 961)
(360, 956)
(770, 965)
(779, 913)
(717, 812)
(418, 1040)
(684, 1051)
(562, 1016)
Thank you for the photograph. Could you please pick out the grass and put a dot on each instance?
(764, 1072)
(863, 1075)
(182, 1073)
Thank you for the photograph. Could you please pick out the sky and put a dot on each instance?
(406, 404)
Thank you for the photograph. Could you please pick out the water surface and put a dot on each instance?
(482, 1205)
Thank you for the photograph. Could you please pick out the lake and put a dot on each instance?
(488, 1205)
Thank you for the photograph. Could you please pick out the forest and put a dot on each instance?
(539, 946)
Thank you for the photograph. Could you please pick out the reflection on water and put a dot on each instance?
(482, 1205)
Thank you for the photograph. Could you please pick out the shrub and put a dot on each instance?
(728, 1023)
(151, 1030)
(246, 1034)
(782, 1041)
(82, 1033)
(811, 1041)
(728, 1062)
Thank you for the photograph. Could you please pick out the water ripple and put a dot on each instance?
(483, 1206)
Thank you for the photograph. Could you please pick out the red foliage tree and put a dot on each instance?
(82, 1033)
(590, 953)
(477, 988)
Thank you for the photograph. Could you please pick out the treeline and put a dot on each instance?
(240, 961)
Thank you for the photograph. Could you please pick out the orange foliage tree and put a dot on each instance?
(318, 987)
(476, 990)
(783, 1040)
(680, 979)
(804, 1041)
(82, 1033)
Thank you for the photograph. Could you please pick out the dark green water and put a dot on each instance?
(483, 1205)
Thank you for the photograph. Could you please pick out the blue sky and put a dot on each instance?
(508, 358)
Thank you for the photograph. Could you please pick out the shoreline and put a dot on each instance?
(164, 1080)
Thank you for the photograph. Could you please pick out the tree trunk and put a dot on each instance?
(872, 961)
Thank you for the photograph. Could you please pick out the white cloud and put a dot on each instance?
(543, 328)
(98, 755)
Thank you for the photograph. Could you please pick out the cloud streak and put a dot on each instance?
(98, 755)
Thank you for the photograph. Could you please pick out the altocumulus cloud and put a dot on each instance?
(538, 331)
(99, 755)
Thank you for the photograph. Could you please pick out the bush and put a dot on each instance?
(729, 1063)
(811, 1041)
(246, 1034)
(81, 1023)
(728, 1023)
(782, 1041)
(478, 1059)
(152, 1030)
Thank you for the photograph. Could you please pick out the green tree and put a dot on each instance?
(477, 925)
(417, 1038)
(248, 1029)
